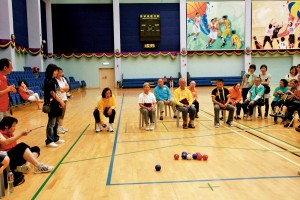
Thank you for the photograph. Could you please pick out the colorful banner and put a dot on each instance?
(275, 24)
(215, 25)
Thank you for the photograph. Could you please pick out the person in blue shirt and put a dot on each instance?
(163, 97)
(254, 96)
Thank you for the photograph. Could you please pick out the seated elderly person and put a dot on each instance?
(105, 108)
(184, 103)
(19, 153)
(163, 97)
(147, 103)
(293, 106)
(221, 99)
(192, 88)
(254, 97)
(28, 95)
(235, 98)
(278, 93)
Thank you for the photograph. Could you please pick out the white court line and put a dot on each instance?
(297, 164)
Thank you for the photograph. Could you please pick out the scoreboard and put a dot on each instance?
(149, 29)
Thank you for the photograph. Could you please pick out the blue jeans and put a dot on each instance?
(52, 130)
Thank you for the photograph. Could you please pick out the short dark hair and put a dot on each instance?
(4, 62)
(265, 66)
(252, 66)
(236, 84)
(7, 121)
(50, 69)
(233, 32)
(270, 25)
(225, 16)
(59, 69)
(20, 82)
(285, 82)
(282, 39)
(220, 80)
(105, 90)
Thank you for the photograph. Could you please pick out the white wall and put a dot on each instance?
(206, 66)
(20, 62)
(150, 67)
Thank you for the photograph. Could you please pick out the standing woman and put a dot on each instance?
(265, 81)
(51, 89)
(106, 107)
(64, 88)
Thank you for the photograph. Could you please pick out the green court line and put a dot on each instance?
(60, 162)
(165, 126)
(132, 152)
(210, 187)
(260, 132)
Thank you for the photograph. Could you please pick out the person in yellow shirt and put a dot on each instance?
(106, 107)
(235, 40)
(184, 103)
(226, 32)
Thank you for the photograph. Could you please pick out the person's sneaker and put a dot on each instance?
(60, 130)
(152, 126)
(52, 144)
(42, 168)
(161, 118)
(266, 116)
(217, 125)
(249, 118)
(259, 116)
(65, 129)
(110, 128)
(273, 114)
(185, 126)
(147, 128)
(24, 168)
(229, 124)
(221, 118)
(237, 117)
(191, 126)
(98, 128)
(60, 141)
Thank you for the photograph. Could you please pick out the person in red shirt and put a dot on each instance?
(19, 153)
(28, 95)
(5, 69)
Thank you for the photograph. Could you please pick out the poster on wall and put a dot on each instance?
(275, 24)
(215, 25)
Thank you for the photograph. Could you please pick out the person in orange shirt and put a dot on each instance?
(235, 98)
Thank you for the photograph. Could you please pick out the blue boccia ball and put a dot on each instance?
(157, 167)
(183, 155)
(195, 156)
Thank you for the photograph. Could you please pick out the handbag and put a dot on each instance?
(46, 107)
(287, 97)
(260, 102)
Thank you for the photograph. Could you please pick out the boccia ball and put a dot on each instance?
(157, 167)
(205, 157)
(104, 125)
(194, 156)
(199, 156)
(183, 155)
(189, 156)
(176, 156)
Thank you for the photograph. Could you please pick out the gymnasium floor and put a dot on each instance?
(253, 160)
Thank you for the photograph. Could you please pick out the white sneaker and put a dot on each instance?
(60, 142)
(110, 128)
(147, 128)
(98, 128)
(52, 144)
(249, 118)
(60, 130)
(42, 168)
(217, 125)
(65, 129)
(152, 126)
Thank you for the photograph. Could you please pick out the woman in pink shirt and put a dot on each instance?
(235, 98)
(28, 95)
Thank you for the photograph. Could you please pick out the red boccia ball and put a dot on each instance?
(199, 156)
(205, 157)
(176, 156)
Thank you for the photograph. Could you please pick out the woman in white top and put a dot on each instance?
(64, 88)
(293, 74)
(265, 81)
(147, 103)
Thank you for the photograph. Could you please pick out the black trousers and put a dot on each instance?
(244, 93)
(111, 117)
(196, 103)
(248, 107)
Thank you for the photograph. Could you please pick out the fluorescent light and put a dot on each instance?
(105, 63)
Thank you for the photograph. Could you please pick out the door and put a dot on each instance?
(106, 78)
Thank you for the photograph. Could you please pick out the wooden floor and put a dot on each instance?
(253, 160)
